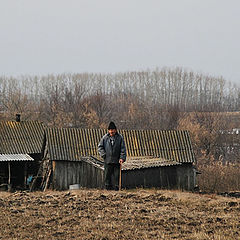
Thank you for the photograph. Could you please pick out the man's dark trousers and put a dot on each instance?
(111, 170)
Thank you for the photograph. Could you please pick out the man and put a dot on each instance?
(112, 149)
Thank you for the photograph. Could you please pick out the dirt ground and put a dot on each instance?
(132, 214)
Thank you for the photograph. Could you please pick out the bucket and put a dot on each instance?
(74, 187)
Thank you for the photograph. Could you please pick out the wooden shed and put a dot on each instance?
(156, 158)
(21, 150)
(14, 170)
(140, 172)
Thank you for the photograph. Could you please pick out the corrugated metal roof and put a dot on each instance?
(140, 163)
(21, 137)
(173, 145)
(136, 163)
(94, 161)
(15, 157)
(71, 144)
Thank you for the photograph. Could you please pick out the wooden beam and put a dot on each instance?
(47, 180)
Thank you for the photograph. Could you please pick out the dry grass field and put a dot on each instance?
(132, 214)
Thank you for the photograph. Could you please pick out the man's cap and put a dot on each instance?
(112, 126)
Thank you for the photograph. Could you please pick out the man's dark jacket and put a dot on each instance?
(112, 154)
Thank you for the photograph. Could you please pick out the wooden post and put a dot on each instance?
(47, 180)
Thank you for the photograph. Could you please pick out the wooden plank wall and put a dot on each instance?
(164, 178)
(91, 176)
(66, 173)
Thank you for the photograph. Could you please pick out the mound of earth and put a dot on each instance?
(130, 214)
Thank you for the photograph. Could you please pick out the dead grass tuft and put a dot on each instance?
(217, 177)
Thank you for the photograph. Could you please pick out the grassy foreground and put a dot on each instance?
(133, 214)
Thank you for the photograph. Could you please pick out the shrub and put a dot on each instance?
(217, 176)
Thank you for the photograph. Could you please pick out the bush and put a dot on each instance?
(217, 176)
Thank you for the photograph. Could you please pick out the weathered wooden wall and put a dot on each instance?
(66, 173)
(92, 176)
(186, 177)
(158, 177)
(167, 177)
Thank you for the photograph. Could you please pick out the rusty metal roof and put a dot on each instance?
(15, 157)
(21, 137)
(71, 144)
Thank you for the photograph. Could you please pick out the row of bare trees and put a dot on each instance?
(167, 87)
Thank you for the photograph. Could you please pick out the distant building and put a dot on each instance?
(228, 147)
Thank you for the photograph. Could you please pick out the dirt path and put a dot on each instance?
(100, 214)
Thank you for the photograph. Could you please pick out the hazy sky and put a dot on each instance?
(56, 36)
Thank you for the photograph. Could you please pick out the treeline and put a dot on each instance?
(147, 99)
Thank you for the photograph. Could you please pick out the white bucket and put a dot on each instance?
(74, 187)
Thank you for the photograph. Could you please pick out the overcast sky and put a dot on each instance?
(57, 36)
